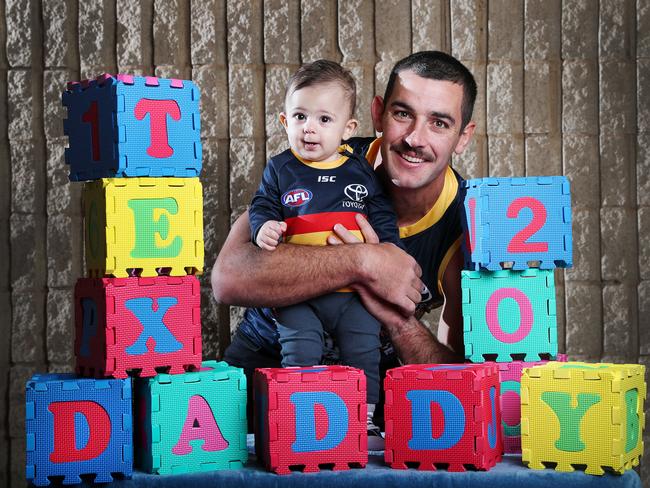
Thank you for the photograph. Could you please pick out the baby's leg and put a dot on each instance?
(301, 335)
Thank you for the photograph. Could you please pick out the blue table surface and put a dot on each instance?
(509, 473)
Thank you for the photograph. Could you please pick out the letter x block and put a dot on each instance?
(443, 416)
(509, 314)
(308, 418)
(132, 126)
(137, 325)
(584, 416)
(518, 221)
(193, 421)
(76, 427)
(139, 225)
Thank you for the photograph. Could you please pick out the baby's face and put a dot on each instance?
(317, 119)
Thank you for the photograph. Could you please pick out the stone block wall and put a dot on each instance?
(564, 88)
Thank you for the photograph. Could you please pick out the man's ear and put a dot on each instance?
(283, 120)
(350, 128)
(465, 137)
(376, 111)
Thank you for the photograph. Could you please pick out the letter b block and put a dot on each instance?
(132, 126)
(309, 417)
(193, 421)
(583, 415)
(137, 324)
(138, 225)
(76, 427)
(509, 315)
(444, 415)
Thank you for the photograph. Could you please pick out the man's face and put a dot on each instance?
(421, 129)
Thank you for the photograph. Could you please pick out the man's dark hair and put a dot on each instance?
(436, 65)
(324, 71)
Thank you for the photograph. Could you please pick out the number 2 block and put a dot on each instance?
(518, 221)
(510, 314)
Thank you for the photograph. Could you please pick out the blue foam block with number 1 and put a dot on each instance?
(519, 221)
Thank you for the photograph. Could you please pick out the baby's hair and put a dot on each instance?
(324, 71)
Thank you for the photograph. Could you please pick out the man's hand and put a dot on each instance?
(270, 234)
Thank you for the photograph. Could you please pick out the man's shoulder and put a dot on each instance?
(362, 146)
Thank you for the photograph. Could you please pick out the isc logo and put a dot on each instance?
(296, 198)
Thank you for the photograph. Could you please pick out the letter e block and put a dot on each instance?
(509, 315)
(518, 221)
(192, 421)
(310, 418)
(77, 427)
(443, 416)
(132, 126)
(137, 325)
(135, 226)
(584, 416)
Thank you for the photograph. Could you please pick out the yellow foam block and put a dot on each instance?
(143, 224)
(583, 414)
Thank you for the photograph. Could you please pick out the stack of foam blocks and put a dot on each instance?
(135, 142)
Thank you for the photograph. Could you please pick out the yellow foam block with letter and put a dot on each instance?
(140, 226)
(580, 415)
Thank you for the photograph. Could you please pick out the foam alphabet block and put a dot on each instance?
(518, 221)
(509, 315)
(135, 325)
(132, 126)
(77, 427)
(192, 421)
(140, 225)
(583, 416)
(443, 416)
(308, 418)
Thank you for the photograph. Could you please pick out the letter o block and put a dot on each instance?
(192, 421)
(307, 418)
(584, 416)
(443, 416)
(509, 315)
(135, 325)
(76, 427)
(135, 226)
(518, 221)
(129, 126)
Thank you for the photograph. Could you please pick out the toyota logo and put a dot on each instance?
(356, 192)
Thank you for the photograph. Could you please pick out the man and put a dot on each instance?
(424, 118)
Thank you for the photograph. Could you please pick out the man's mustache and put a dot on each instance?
(403, 147)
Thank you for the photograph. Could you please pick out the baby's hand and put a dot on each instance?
(270, 234)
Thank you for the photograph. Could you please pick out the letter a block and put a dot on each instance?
(518, 220)
(509, 314)
(76, 427)
(584, 416)
(138, 225)
(193, 421)
(308, 418)
(443, 416)
(137, 325)
(132, 126)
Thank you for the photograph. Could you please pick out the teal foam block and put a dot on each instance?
(192, 422)
(510, 314)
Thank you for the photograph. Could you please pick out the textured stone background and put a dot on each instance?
(564, 88)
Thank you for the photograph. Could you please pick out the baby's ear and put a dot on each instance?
(283, 120)
(350, 128)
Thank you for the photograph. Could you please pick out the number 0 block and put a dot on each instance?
(583, 415)
(518, 221)
(132, 126)
(510, 314)
(143, 224)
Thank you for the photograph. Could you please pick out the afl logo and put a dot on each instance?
(356, 192)
(296, 198)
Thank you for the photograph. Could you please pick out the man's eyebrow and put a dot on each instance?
(437, 115)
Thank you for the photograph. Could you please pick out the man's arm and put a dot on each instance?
(246, 275)
(451, 319)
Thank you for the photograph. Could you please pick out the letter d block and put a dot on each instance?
(76, 427)
(193, 421)
(509, 315)
(443, 415)
(308, 418)
(584, 416)
(518, 221)
(132, 126)
(138, 225)
(137, 325)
